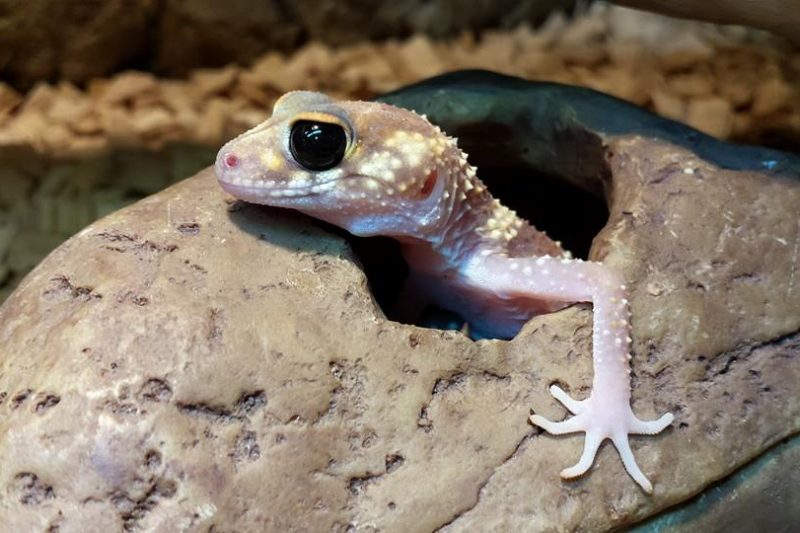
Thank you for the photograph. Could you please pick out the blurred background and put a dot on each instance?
(103, 102)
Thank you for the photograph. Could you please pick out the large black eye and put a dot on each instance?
(317, 145)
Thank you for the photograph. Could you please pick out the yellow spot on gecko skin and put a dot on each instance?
(272, 161)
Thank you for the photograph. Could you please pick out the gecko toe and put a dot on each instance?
(574, 406)
(629, 462)
(650, 427)
(572, 425)
(590, 447)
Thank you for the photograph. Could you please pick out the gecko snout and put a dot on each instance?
(230, 168)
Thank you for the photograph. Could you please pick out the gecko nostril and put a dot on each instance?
(230, 160)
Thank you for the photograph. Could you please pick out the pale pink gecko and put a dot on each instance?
(374, 169)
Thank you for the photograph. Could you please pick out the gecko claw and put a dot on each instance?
(600, 422)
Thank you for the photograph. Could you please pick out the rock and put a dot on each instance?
(118, 125)
(669, 105)
(778, 16)
(128, 86)
(420, 59)
(210, 81)
(498, 48)
(57, 137)
(760, 497)
(711, 115)
(691, 84)
(88, 124)
(190, 362)
(738, 90)
(685, 58)
(250, 89)
(40, 98)
(771, 96)
(152, 122)
(69, 106)
(267, 71)
(623, 83)
(212, 121)
(9, 99)
(247, 118)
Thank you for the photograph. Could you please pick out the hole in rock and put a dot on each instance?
(564, 211)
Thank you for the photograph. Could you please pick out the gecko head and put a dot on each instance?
(367, 167)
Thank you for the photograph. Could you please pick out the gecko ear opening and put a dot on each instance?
(429, 184)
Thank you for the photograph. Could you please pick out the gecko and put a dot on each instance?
(375, 169)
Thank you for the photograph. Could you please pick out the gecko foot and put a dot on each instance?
(602, 419)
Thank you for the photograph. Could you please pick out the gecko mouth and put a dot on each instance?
(251, 193)
(257, 193)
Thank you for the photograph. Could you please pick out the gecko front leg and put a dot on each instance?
(606, 413)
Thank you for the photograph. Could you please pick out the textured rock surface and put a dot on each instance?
(779, 16)
(188, 362)
(762, 496)
(71, 40)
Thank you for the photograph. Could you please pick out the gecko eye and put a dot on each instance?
(317, 145)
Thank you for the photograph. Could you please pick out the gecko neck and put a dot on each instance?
(471, 220)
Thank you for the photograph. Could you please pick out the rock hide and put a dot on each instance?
(191, 363)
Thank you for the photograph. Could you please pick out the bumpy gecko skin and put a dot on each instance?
(374, 169)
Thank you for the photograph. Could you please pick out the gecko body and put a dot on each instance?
(374, 169)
